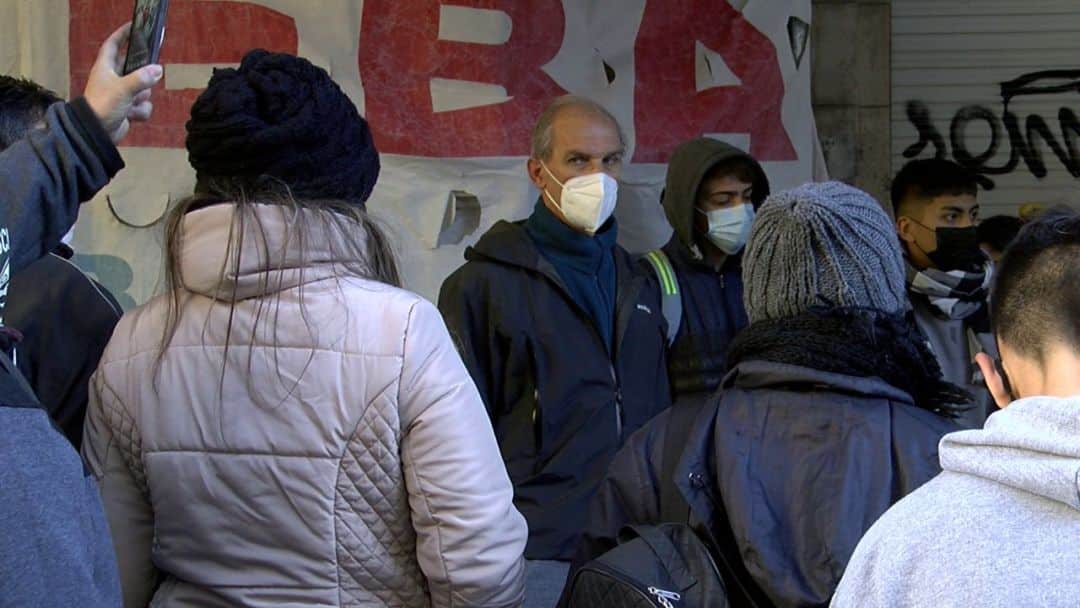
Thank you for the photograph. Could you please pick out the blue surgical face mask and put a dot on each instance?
(729, 228)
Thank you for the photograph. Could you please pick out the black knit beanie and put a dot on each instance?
(278, 117)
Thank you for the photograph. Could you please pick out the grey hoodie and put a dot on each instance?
(999, 527)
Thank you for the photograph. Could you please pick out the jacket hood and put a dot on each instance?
(281, 249)
(1033, 446)
(506, 243)
(686, 169)
(759, 374)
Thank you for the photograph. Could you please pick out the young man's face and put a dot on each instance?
(720, 192)
(917, 228)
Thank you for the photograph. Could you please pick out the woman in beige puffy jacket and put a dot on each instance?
(285, 426)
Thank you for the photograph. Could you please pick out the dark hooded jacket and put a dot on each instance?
(711, 300)
(66, 319)
(560, 403)
(784, 471)
(55, 548)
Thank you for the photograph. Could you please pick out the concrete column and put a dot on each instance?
(851, 50)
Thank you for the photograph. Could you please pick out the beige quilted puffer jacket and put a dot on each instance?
(342, 458)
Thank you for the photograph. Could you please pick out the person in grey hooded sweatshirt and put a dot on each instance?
(710, 198)
(999, 526)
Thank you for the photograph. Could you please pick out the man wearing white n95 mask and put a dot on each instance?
(560, 331)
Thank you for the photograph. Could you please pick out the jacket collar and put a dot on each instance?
(751, 375)
(281, 249)
(579, 251)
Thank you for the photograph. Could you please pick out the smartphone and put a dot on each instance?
(147, 34)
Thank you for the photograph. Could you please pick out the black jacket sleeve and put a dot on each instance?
(467, 316)
(44, 178)
(66, 319)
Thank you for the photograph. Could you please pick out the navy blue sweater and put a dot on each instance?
(585, 264)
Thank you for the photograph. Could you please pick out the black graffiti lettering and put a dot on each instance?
(919, 115)
(1026, 143)
(1037, 127)
(978, 164)
(957, 130)
(1070, 131)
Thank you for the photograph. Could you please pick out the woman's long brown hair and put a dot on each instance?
(364, 253)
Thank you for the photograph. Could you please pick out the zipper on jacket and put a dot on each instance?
(538, 431)
(613, 354)
(618, 405)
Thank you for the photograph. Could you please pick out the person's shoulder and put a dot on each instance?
(495, 265)
(932, 518)
(935, 546)
(377, 299)
(474, 269)
(30, 447)
(88, 293)
(141, 329)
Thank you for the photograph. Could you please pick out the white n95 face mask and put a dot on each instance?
(587, 200)
(729, 228)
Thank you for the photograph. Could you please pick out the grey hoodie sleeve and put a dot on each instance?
(44, 178)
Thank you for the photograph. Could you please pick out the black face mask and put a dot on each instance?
(957, 249)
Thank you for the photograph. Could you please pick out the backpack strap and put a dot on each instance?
(681, 416)
(670, 298)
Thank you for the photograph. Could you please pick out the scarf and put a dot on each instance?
(857, 342)
(957, 294)
(586, 265)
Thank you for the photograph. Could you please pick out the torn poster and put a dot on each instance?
(451, 90)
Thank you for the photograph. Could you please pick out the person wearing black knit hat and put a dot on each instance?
(285, 426)
(831, 410)
(280, 118)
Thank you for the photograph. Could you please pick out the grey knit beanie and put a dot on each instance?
(822, 244)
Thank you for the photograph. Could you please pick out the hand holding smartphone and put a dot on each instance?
(147, 34)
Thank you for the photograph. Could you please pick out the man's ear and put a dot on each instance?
(536, 173)
(905, 228)
(994, 382)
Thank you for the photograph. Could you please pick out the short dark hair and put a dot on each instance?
(1036, 296)
(744, 169)
(999, 231)
(930, 178)
(739, 167)
(22, 105)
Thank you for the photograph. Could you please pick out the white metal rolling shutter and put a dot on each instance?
(953, 54)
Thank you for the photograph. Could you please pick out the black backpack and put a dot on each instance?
(656, 566)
